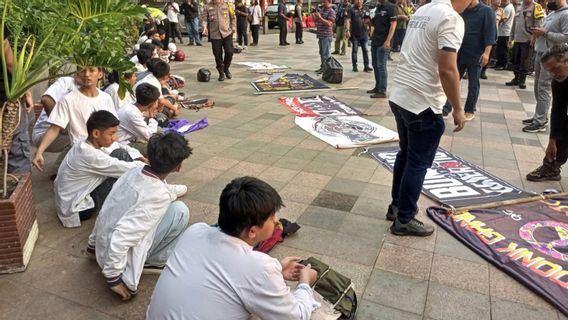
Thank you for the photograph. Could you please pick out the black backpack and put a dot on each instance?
(332, 71)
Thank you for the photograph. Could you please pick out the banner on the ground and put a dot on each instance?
(280, 82)
(453, 181)
(346, 131)
(263, 67)
(529, 241)
(318, 106)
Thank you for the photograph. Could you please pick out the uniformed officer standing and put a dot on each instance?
(220, 18)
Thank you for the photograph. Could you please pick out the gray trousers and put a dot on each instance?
(173, 224)
(542, 90)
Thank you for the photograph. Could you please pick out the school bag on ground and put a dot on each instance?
(334, 288)
(332, 71)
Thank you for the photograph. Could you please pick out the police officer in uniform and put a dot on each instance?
(220, 17)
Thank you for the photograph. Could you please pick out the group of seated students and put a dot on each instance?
(113, 163)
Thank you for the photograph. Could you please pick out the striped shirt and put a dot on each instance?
(323, 30)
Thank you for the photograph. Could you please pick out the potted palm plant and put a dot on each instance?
(46, 38)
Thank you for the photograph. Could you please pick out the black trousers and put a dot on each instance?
(501, 53)
(521, 60)
(101, 192)
(242, 33)
(254, 28)
(283, 25)
(174, 32)
(299, 31)
(219, 45)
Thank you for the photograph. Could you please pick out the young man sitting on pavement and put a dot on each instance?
(52, 95)
(139, 224)
(214, 273)
(73, 111)
(160, 75)
(88, 172)
(137, 122)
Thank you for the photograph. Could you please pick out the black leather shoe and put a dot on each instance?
(513, 82)
(221, 77)
(372, 91)
(228, 74)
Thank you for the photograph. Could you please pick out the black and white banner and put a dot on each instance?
(454, 181)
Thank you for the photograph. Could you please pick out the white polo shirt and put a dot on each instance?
(417, 85)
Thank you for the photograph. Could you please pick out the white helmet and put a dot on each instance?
(172, 47)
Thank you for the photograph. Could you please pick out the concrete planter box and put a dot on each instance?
(18, 227)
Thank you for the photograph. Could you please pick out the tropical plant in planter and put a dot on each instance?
(47, 37)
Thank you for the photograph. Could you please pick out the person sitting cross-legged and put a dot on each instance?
(137, 123)
(140, 222)
(214, 273)
(89, 170)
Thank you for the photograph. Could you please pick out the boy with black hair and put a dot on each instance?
(214, 273)
(73, 111)
(139, 224)
(88, 171)
(160, 74)
(142, 56)
(134, 130)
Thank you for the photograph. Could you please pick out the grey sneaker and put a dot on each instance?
(535, 127)
(392, 213)
(412, 228)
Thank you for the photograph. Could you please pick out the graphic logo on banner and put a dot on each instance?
(529, 241)
(318, 106)
(287, 82)
(454, 181)
(346, 131)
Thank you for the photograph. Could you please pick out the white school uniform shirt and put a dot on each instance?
(126, 225)
(83, 169)
(416, 84)
(112, 91)
(56, 91)
(151, 79)
(73, 111)
(211, 275)
(173, 14)
(133, 127)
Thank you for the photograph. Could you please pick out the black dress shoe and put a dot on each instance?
(228, 74)
(368, 69)
(199, 44)
(221, 77)
(513, 82)
(372, 91)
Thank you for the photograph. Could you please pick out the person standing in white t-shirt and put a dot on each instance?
(172, 11)
(503, 33)
(73, 111)
(427, 75)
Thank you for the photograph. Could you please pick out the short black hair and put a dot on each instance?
(144, 55)
(150, 64)
(147, 46)
(167, 151)
(161, 31)
(157, 43)
(560, 52)
(146, 94)
(246, 202)
(101, 120)
(160, 69)
(151, 33)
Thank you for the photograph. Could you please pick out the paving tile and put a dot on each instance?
(420, 243)
(291, 163)
(505, 287)
(335, 200)
(346, 186)
(368, 310)
(366, 227)
(388, 288)
(278, 174)
(311, 179)
(370, 207)
(445, 302)
(323, 218)
(263, 158)
(460, 274)
(506, 310)
(219, 163)
(299, 193)
(249, 168)
(450, 246)
(405, 261)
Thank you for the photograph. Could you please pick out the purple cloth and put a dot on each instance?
(183, 126)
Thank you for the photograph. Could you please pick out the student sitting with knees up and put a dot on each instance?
(139, 224)
(88, 171)
(137, 123)
(72, 112)
(214, 273)
(159, 76)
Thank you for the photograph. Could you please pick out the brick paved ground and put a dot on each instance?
(338, 198)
